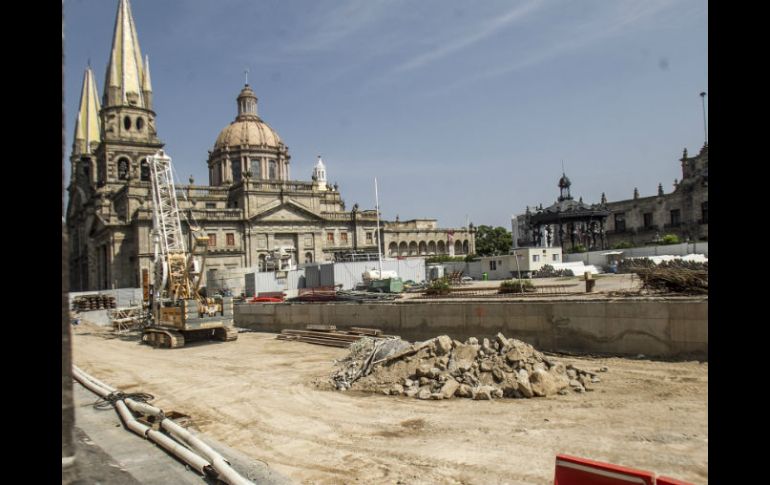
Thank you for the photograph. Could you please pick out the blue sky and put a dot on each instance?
(460, 109)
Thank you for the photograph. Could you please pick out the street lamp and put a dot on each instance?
(705, 127)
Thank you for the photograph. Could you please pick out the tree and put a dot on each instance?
(491, 241)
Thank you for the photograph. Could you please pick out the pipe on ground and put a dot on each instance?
(204, 452)
(142, 430)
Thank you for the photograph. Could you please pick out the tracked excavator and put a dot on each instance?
(179, 313)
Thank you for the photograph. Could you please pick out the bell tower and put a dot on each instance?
(127, 119)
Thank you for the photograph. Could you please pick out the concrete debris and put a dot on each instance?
(442, 368)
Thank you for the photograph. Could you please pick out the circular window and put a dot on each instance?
(127, 122)
(139, 123)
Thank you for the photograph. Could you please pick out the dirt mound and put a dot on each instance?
(442, 368)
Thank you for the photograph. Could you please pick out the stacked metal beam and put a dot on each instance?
(331, 336)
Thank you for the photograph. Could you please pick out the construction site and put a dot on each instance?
(475, 385)
(312, 344)
(548, 378)
(554, 378)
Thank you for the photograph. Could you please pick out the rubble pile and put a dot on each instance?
(442, 368)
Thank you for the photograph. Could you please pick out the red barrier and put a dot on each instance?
(571, 470)
(671, 481)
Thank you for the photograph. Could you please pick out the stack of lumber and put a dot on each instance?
(322, 293)
(329, 335)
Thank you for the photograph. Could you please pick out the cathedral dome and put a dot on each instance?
(248, 128)
(248, 132)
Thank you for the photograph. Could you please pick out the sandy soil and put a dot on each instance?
(257, 394)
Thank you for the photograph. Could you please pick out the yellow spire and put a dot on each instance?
(125, 72)
(87, 130)
(146, 83)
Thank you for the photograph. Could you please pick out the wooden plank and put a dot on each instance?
(310, 333)
(367, 331)
(320, 327)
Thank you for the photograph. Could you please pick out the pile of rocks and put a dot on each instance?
(442, 368)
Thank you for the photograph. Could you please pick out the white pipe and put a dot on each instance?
(172, 446)
(164, 441)
(226, 472)
(205, 457)
(142, 430)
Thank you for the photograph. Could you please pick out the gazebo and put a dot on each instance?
(570, 221)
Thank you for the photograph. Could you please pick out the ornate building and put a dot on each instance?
(566, 223)
(636, 221)
(250, 207)
(683, 212)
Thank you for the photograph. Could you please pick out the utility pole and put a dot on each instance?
(705, 126)
(379, 234)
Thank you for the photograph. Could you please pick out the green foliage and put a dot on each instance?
(515, 286)
(491, 241)
(577, 249)
(443, 258)
(622, 245)
(438, 287)
(670, 239)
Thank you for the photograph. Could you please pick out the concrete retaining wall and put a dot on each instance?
(653, 327)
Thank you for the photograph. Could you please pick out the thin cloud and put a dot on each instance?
(583, 35)
(490, 28)
(338, 24)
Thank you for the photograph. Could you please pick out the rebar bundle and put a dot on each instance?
(675, 280)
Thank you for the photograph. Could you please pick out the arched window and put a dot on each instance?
(403, 249)
(413, 248)
(458, 247)
(139, 123)
(236, 164)
(123, 169)
(144, 169)
(441, 247)
(272, 170)
(262, 264)
(465, 246)
(255, 165)
(308, 257)
(393, 250)
(127, 123)
(423, 247)
(432, 247)
(87, 170)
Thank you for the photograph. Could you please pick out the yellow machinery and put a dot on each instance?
(178, 312)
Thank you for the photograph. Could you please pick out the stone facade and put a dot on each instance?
(643, 220)
(422, 237)
(250, 207)
(683, 212)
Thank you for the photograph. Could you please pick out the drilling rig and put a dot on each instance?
(178, 311)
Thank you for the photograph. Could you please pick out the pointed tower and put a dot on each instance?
(87, 132)
(127, 118)
(125, 71)
(87, 126)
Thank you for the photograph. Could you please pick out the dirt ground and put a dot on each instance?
(258, 395)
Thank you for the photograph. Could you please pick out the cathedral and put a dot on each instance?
(251, 206)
